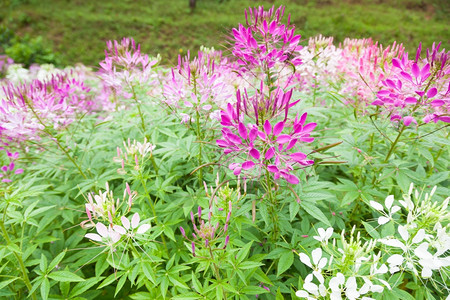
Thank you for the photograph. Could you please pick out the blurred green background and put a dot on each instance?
(69, 31)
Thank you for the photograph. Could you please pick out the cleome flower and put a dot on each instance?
(131, 228)
(268, 148)
(106, 235)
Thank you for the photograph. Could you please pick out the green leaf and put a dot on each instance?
(402, 294)
(315, 212)
(148, 271)
(110, 279)
(294, 207)
(56, 260)
(7, 282)
(196, 283)
(285, 262)
(371, 230)
(177, 282)
(64, 288)
(45, 289)
(279, 295)
(83, 286)
(120, 285)
(253, 290)
(243, 252)
(249, 265)
(43, 263)
(65, 276)
(40, 210)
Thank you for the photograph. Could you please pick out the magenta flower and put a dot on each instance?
(269, 148)
(265, 41)
(125, 67)
(419, 88)
(9, 170)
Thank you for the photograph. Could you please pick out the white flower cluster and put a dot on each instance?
(352, 269)
(345, 266)
(423, 241)
(104, 208)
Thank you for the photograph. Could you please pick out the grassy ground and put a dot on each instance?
(78, 29)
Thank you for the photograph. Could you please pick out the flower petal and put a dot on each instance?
(135, 220)
(101, 229)
(125, 222)
(143, 228)
(94, 237)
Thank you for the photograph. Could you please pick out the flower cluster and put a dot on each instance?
(269, 148)
(9, 168)
(199, 86)
(125, 67)
(208, 234)
(135, 154)
(265, 41)
(26, 109)
(352, 268)
(266, 143)
(103, 208)
(422, 242)
(345, 272)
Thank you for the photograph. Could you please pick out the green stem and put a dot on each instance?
(391, 150)
(152, 206)
(216, 271)
(273, 207)
(55, 139)
(25, 278)
(388, 155)
(139, 109)
(199, 133)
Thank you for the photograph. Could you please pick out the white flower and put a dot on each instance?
(105, 235)
(319, 262)
(428, 261)
(130, 230)
(324, 235)
(394, 261)
(442, 240)
(312, 290)
(390, 209)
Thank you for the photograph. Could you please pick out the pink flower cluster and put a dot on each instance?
(199, 86)
(265, 41)
(26, 109)
(265, 144)
(125, 66)
(420, 87)
(8, 170)
(207, 233)
(270, 148)
(371, 74)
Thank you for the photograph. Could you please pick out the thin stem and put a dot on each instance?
(152, 206)
(139, 109)
(55, 139)
(216, 271)
(25, 278)
(273, 208)
(391, 150)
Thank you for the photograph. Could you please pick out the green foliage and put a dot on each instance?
(169, 27)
